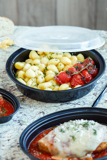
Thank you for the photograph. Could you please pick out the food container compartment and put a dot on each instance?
(54, 96)
(13, 101)
(54, 119)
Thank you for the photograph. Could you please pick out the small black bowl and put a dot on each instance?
(99, 115)
(13, 101)
(54, 96)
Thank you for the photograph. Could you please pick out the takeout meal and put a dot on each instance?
(5, 107)
(72, 140)
(55, 71)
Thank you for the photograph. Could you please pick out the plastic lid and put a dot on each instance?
(59, 39)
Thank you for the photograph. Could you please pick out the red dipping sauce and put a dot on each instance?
(5, 107)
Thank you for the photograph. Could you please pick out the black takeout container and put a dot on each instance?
(97, 114)
(54, 96)
(13, 101)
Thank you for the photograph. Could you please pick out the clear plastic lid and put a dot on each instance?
(59, 39)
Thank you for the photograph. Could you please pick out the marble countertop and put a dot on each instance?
(30, 110)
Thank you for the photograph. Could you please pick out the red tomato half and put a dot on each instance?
(76, 80)
(63, 77)
(78, 66)
(71, 70)
(86, 76)
(93, 71)
(88, 61)
(57, 79)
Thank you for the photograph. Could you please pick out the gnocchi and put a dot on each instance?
(39, 70)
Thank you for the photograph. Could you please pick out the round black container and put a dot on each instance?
(13, 101)
(54, 119)
(54, 96)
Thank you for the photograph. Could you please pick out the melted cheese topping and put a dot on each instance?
(77, 138)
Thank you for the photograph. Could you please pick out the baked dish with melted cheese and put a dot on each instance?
(73, 140)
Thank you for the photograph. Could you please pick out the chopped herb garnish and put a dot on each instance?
(75, 124)
(56, 73)
(74, 128)
(92, 123)
(86, 124)
(54, 85)
(45, 69)
(95, 132)
(4, 111)
(67, 128)
(61, 130)
(73, 137)
(50, 58)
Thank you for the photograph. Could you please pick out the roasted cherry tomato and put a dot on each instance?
(1, 100)
(78, 66)
(88, 61)
(71, 71)
(63, 77)
(86, 76)
(76, 80)
(93, 71)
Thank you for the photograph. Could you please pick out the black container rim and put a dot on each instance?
(73, 111)
(21, 50)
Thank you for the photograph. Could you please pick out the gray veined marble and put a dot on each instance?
(30, 110)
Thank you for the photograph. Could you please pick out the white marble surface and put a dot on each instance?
(30, 110)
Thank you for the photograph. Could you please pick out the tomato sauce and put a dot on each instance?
(34, 150)
(5, 107)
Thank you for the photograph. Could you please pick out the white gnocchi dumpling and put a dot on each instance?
(53, 68)
(44, 85)
(80, 57)
(53, 61)
(30, 73)
(21, 80)
(65, 60)
(42, 67)
(73, 60)
(29, 61)
(26, 66)
(21, 74)
(36, 62)
(19, 65)
(63, 87)
(40, 79)
(44, 60)
(34, 68)
(33, 55)
(49, 77)
(60, 66)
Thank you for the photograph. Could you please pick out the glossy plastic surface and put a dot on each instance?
(59, 39)
(54, 96)
(13, 100)
(54, 119)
